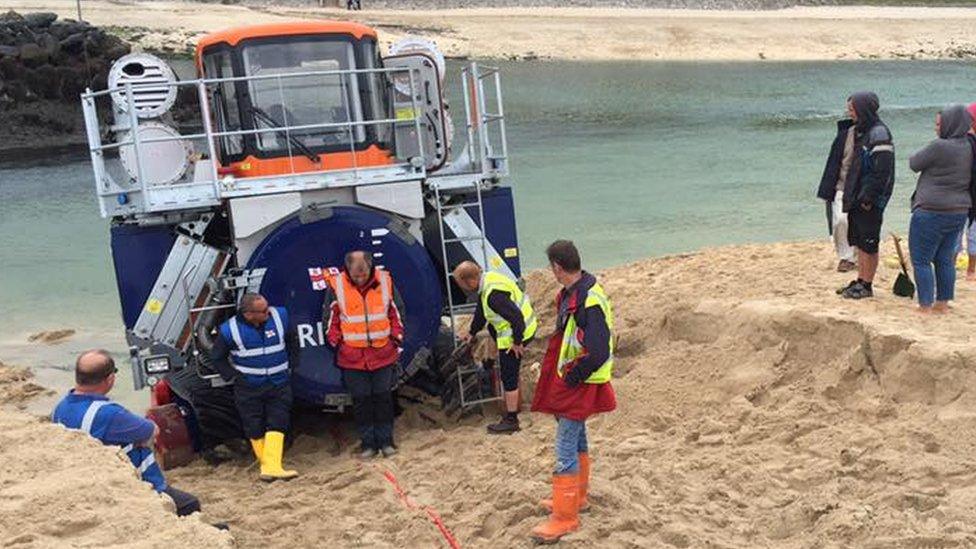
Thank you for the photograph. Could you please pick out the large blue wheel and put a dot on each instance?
(295, 246)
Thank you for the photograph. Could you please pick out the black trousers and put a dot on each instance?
(186, 503)
(508, 364)
(509, 369)
(372, 405)
(263, 408)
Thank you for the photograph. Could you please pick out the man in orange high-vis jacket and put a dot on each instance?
(365, 328)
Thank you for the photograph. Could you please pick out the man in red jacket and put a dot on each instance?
(365, 328)
(574, 384)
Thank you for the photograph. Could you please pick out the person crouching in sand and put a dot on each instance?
(87, 408)
(574, 384)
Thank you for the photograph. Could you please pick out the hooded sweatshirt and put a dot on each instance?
(946, 166)
(870, 181)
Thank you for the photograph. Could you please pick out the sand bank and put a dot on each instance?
(756, 409)
(823, 33)
(64, 489)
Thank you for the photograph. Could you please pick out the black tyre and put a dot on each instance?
(213, 407)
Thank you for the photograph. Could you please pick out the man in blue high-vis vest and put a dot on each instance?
(88, 409)
(254, 349)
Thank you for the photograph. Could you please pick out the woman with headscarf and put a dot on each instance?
(940, 206)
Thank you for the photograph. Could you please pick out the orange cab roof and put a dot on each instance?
(235, 35)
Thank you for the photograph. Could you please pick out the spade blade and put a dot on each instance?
(904, 287)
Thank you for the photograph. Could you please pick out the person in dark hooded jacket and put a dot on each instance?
(831, 189)
(940, 207)
(867, 189)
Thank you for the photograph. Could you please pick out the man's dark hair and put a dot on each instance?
(96, 369)
(564, 254)
(247, 302)
(367, 257)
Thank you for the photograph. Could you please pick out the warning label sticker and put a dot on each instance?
(154, 306)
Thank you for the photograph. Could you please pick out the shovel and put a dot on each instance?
(904, 287)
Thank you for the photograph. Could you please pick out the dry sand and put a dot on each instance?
(823, 33)
(757, 409)
(64, 489)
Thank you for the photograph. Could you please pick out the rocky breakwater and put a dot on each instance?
(45, 63)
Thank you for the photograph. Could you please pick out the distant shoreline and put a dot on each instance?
(792, 34)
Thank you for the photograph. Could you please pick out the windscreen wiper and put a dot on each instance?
(291, 138)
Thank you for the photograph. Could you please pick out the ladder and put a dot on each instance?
(486, 165)
(471, 390)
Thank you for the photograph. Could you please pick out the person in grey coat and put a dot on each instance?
(940, 207)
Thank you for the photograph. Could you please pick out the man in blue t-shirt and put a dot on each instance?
(86, 408)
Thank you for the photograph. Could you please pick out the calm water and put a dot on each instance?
(628, 159)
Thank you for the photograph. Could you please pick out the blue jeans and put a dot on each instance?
(932, 239)
(968, 237)
(570, 443)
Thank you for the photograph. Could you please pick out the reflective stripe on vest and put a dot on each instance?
(572, 344)
(89, 418)
(491, 281)
(364, 320)
(257, 360)
(243, 351)
(143, 463)
(142, 458)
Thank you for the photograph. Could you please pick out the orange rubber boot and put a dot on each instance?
(584, 485)
(565, 510)
(584, 480)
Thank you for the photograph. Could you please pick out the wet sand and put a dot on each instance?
(821, 33)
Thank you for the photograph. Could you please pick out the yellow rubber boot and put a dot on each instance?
(565, 510)
(274, 446)
(257, 444)
(584, 485)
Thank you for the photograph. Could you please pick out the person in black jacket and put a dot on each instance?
(867, 189)
(831, 189)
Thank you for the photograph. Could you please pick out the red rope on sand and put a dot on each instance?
(434, 517)
(391, 478)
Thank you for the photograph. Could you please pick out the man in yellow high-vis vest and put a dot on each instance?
(574, 384)
(507, 311)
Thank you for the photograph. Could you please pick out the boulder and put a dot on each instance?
(11, 17)
(33, 55)
(63, 28)
(73, 43)
(73, 82)
(45, 81)
(9, 51)
(40, 20)
(49, 44)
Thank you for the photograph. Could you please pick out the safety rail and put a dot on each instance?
(207, 187)
(487, 151)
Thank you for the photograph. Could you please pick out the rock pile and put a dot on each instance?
(42, 57)
(45, 63)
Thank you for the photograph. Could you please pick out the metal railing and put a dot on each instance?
(479, 120)
(140, 195)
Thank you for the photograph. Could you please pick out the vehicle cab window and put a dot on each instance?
(284, 91)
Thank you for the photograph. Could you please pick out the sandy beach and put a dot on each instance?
(757, 409)
(61, 488)
(822, 33)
